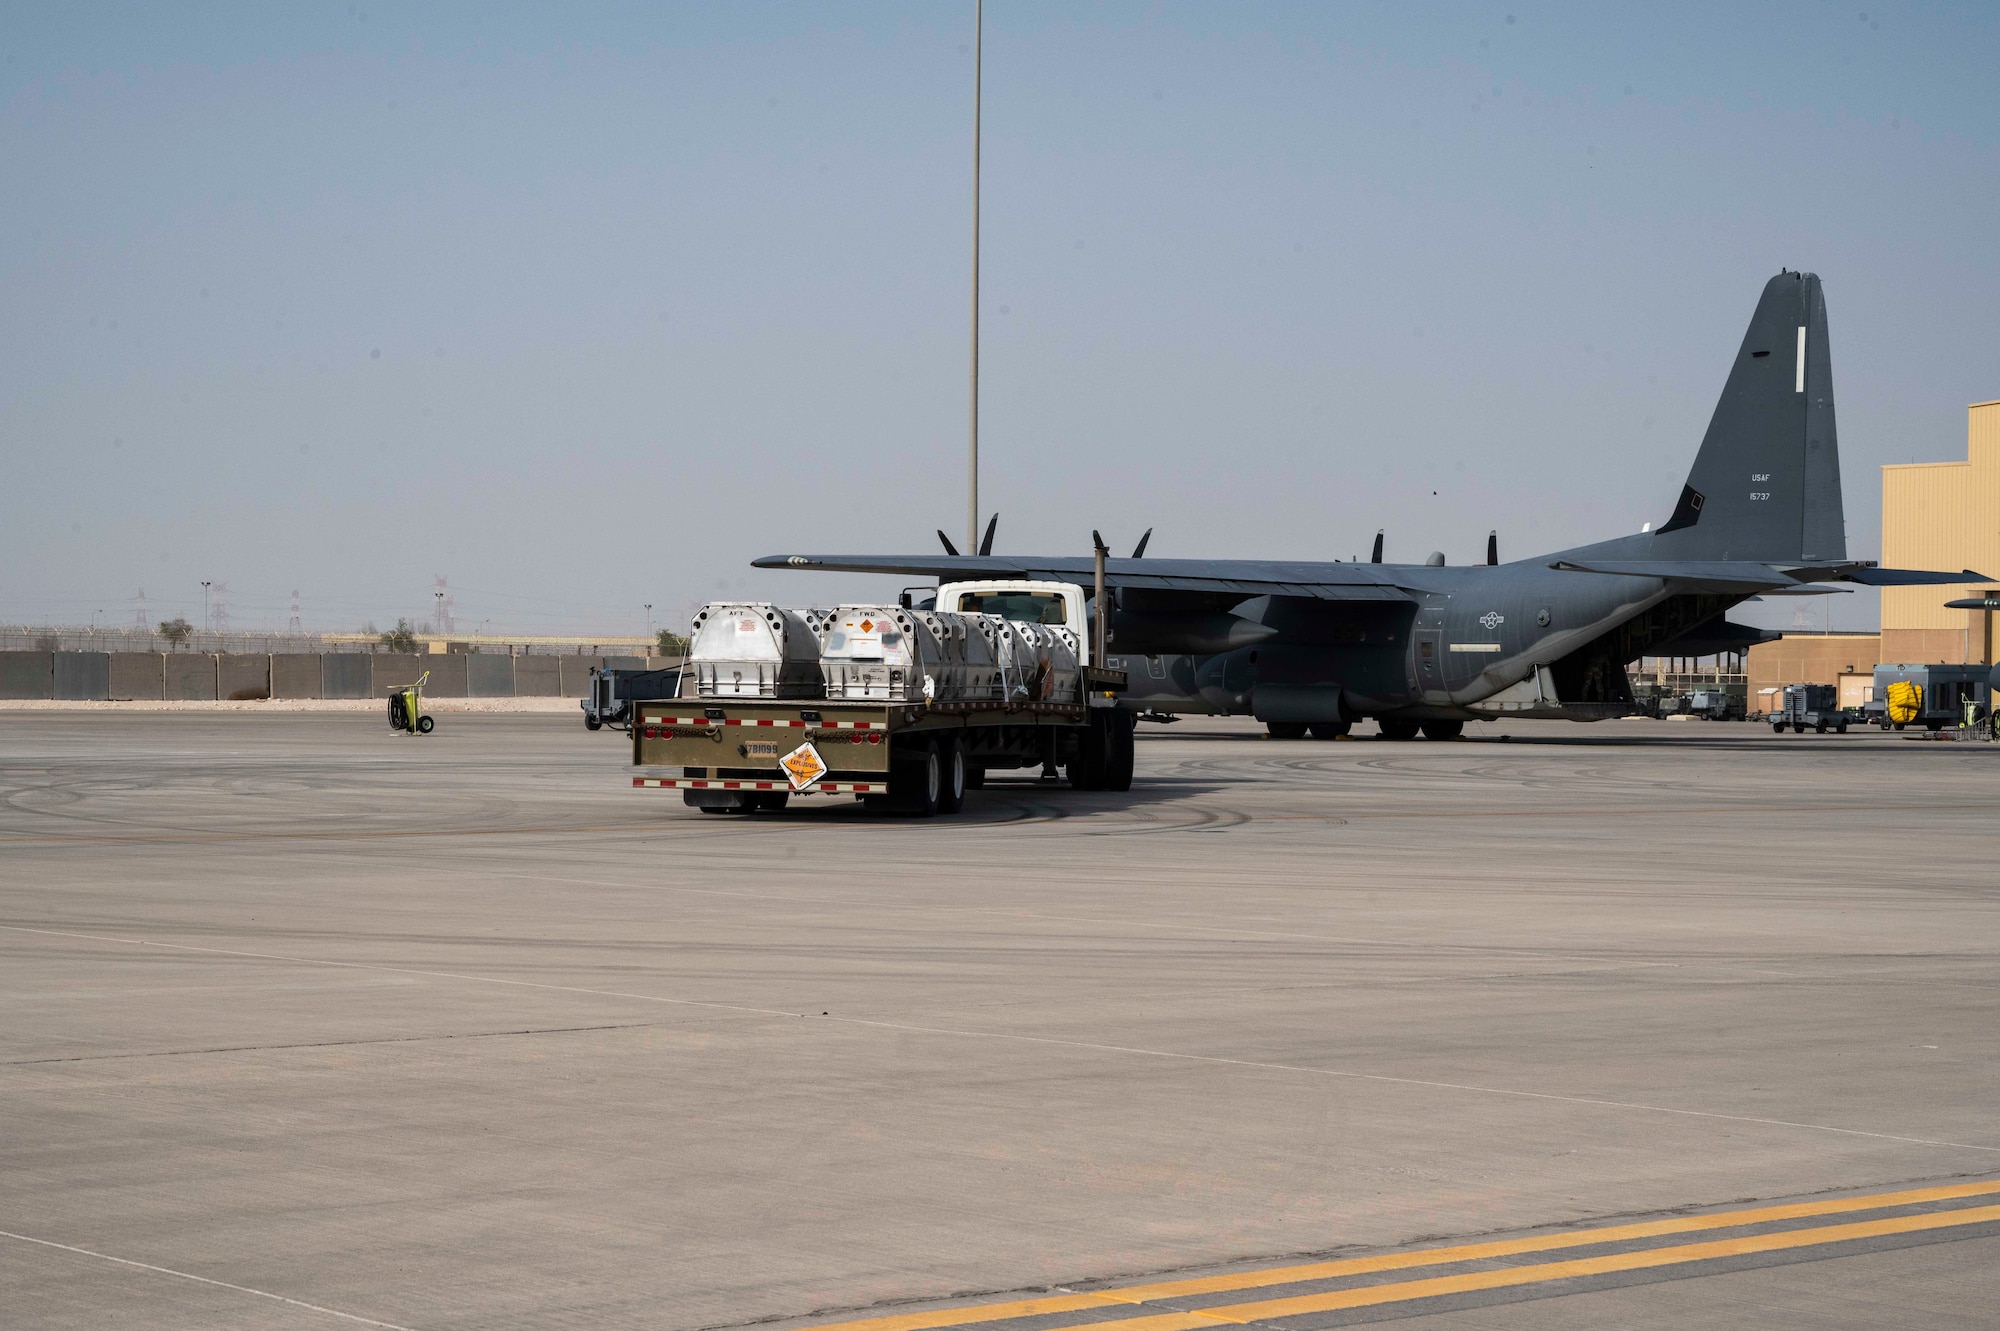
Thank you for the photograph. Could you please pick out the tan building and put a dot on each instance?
(1934, 515)
(1844, 659)
(1943, 515)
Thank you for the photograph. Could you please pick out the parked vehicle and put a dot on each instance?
(1931, 696)
(1814, 705)
(612, 693)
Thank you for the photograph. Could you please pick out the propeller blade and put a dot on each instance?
(986, 542)
(1492, 547)
(949, 548)
(1376, 558)
(1139, 550)
(1097, 541)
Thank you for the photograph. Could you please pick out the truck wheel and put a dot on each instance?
(1330, 729)
(1841, 729)
(1819, 728)
(916, 779)
(1443, 729)
(1778, 727)
(951, 774)
(1087, 767)
(1118, 751)
(1286, 729)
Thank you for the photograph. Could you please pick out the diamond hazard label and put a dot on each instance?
(804, 766)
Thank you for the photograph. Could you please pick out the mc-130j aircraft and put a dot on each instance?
(1429, 647)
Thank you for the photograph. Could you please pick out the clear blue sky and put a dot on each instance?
(585, 307)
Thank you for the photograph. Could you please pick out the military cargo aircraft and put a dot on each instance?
(1428, 648)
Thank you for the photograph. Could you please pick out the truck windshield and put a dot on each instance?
(1021, 607)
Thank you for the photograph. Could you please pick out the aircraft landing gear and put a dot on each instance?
(1397, 728)
(1443, 729)
(1286, 729)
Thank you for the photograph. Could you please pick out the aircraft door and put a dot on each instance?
(1430, 660)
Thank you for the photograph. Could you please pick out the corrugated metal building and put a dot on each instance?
(1934, 515)
(1943, 515)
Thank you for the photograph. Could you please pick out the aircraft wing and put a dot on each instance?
(1246, 577)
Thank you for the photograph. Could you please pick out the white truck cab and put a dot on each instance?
(1025, 602)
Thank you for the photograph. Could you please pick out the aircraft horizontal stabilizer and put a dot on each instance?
(1911, 577)
(1740, 573)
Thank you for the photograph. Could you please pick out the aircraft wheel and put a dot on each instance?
(1330, 729)
(1286, 729)
(1396, 728)
(951, 775)
(1443, 729)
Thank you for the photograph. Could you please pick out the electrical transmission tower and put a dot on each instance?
(445, 607)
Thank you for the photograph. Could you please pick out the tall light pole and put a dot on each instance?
(972, 492)
(649, 619)
(207, 620)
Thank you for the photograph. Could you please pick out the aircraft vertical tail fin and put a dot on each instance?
(1766, 484)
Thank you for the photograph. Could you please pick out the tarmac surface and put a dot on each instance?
(1642, 1024)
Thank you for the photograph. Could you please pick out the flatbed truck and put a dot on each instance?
(912, 754)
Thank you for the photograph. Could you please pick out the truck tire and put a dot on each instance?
(1841, 729)
(1087, 767)
(1286, 729)
(916, 778)
(951, 774)
(1778, 727)
(1118, 751)
(1819, 728)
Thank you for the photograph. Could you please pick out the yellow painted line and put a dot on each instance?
(986, 1312)
(1398, 1261)
(1473, 1281)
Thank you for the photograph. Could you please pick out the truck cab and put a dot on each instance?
(1024, 601)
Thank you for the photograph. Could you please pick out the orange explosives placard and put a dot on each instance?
(804, 766)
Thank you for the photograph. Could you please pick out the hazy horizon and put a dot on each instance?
(585, 310)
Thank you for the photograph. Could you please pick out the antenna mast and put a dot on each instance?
(972, 493)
